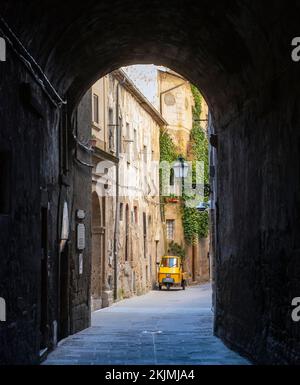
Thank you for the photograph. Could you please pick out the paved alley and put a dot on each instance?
(160, 327)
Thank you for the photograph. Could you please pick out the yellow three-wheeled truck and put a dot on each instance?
(170, 273)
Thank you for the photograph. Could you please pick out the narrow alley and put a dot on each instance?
(159, 328)
(149, 145)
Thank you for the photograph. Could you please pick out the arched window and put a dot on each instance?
(172, 180)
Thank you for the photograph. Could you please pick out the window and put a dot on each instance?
(5, 183)
(121, 211)
(96, 108)
(128, 147)
(170, 230)
(135, 142)
(145, 234)
(110, 116)
(111, 128)
(172, 181)
(119, 135)
(169, 262)
(145, 154)
(135, 213)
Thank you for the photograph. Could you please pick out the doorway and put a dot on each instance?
(97, 254)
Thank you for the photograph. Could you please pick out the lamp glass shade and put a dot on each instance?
(181, 169)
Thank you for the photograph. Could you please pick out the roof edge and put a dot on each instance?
(128, 84)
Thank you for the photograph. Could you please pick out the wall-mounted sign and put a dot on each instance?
(64, 227)
(65, 223)
(81, 236)
(2, 310)
(80, 214)
(2, 49)
(80, 264)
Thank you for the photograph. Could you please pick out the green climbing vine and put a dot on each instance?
(199, 141)
(176, 249)
(167, 147)
(197, 109)
(195, 223)
(168, 153)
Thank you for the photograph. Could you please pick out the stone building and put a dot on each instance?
(244, 68)
(176, 103)
(127, 231)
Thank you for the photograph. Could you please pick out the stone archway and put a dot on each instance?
(238, 54)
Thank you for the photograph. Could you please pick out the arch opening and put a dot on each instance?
(236, 53)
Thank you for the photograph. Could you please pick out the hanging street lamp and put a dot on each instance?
(181, 169)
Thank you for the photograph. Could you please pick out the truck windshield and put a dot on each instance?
(169, 262)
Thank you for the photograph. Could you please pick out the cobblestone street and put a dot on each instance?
(172, 327)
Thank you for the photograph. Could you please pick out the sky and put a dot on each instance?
(144, 76)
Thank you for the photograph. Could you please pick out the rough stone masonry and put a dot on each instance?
(238, 54)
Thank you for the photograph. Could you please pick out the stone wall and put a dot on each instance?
(239, 55)
(30, 221)
(29, 174)
(257, 265)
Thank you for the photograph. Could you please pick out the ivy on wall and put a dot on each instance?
(168, 153)
(195, 223)
(176, 249)
(167, 147)
(199, 141)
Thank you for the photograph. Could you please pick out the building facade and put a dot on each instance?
(127, 230)
(176, 106)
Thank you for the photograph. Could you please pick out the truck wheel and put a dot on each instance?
(168, 286)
